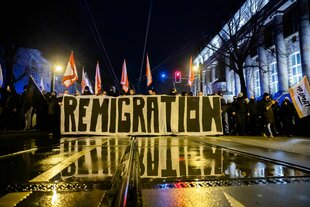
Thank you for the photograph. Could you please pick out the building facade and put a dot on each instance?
(280, 59)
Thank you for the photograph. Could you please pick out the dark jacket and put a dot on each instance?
(266, 111)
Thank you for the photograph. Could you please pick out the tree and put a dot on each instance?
(240, 36)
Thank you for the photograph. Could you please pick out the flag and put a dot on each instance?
(191, 76)
(300, 94)
(70, 75)
(33, 95)
(42, 87)
(124, 80)
(85, 82)
(1, 77)
(97, 80)
(148, 72)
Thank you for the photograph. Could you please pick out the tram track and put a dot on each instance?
(127, 188)
(257, 156)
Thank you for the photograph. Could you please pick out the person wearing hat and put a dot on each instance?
(112, 91)
(173, 92)
(87, 91)
(267, 114)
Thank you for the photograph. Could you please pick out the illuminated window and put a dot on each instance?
(256, 83)
(273, 78)
(296, 68)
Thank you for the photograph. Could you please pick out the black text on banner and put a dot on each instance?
(141, 115)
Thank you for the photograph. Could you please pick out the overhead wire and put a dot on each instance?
(172, 56)
(96, 40)
(101, 45)
(145, 42)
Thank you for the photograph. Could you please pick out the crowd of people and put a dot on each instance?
(26, 112)
(266, 117)
(242, 116)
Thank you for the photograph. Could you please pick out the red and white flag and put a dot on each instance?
(148, 72)
(70, 75)
(191, 76)
(124, 80)
(85, 82)
(97, 80)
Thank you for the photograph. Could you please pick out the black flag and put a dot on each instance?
(33, 96)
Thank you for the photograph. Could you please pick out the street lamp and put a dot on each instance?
(196, 68)
(57, 69)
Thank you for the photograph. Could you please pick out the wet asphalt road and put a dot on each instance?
(174, 171)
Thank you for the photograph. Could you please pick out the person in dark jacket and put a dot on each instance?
(267, 114)
(11, 108)
(54, 115)
(173, 92)
(232, 116)
(225, 121)
(112, 91)
(240, 111)
(253, 123)
(287, 113)
(87, 91)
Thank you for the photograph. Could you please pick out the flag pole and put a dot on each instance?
(284, 93)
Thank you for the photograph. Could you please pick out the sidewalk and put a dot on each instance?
(298, 145)
(293, 151)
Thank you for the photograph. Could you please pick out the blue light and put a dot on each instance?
(163, 75)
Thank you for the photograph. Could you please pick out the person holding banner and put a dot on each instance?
(132, 92)
(112, 91)
(87, 91)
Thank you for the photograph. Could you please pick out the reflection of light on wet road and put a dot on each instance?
(12, 199)
(177, 158)
(175, 171)
(19, 153)
(54, 197)
(233, 201)
(210, 197)
(49, 174)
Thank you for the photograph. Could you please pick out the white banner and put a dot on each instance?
(141, 115)
(300, 94)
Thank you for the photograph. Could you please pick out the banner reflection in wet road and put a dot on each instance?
(168, 157)
(99, 163)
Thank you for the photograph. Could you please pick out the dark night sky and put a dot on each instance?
(177, 29)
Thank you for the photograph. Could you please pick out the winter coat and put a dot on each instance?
(266, 111)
